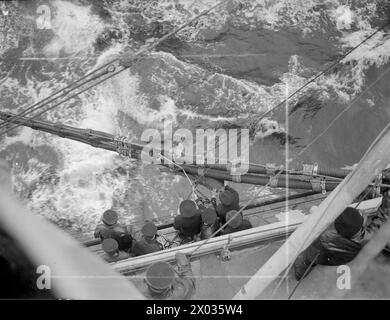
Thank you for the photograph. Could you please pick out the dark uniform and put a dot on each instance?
(112, 252)
(236, 224)
(148, 243)
(110, 228)
(210, 223)
(189, 221)
(163, 284)
(229, 201)
(336, 246)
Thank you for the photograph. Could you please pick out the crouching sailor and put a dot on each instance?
(112, 252)
(336, 246)
(164, 282)
(148, 243)
(235, 223)
(210, 223)
(110, 228)
(188, 222)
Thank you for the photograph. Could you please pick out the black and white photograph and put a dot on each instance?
(204, 152)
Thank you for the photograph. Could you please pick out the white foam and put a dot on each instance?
(75, 28)
(344, 17)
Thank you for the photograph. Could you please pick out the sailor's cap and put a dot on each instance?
(209, 216)
(187, 208)
(226, 197)
(236, 222)
(160, 276)
(149, 229)
(110, 217)
(110, 245)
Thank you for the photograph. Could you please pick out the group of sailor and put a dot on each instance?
(338, 245)
(195, 221)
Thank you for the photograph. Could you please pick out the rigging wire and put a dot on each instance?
(280, 171)
(304, 275)
(322, 73)
(314, 260)
(61, 92)
(143, 51)
(50, 99)
(319, 220)
(314, 79)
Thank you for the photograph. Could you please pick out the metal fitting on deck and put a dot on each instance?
(236, 178)
(273, 181)
(310, 169)
(270, 168)
(318, 185)
(201, 171)
(123, 146)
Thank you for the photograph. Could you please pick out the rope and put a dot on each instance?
(54, 106)
(311, 264)
(364, 196)
(51, 98)
(47, 100)
(227, 222)
(279, 173)
(182, 169)
(321, 73)
(315, 78)
(319, 220)
(304, 275)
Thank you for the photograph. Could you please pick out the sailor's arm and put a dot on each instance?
(98, 230)
(177, 223)
(306, 260)
(185, 284)
(214, 194)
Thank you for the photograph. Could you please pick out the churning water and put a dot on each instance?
(223, 72)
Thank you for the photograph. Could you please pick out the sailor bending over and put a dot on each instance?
(148, 243)
(342, 242)
(210, 222)
(112, 252)
(164, 282)
(110, 228)
(188, 222)
(235, 224)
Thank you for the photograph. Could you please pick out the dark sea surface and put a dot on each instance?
(224, 71)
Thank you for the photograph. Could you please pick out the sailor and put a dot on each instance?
(163, 283)
(112, 252)
(378, 219)
(148, 243)
(188, 222)
(229, 200)
(235, 223)
(336, 246)
(110, 228)
(210, 222)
